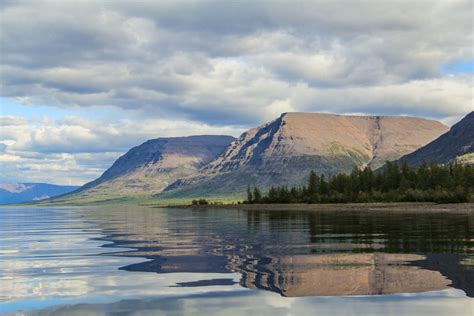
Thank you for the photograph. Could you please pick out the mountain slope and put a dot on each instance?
(148, 168)
(26, 192)
(457, 143)
(285, 150)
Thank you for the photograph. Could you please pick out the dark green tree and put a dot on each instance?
(257, 195)
(449, 183)
(249, 195)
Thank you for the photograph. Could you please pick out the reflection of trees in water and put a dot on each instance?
(452, 266)
(309, 253)
(397, 233)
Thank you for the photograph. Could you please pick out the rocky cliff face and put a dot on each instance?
(371, 139)
(285, 150)
(457, 143)
(147, 169)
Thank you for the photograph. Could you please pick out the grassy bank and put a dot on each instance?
(127, 200)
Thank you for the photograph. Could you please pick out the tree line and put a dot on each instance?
(396, 182)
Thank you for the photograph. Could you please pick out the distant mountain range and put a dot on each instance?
(26, 192)
(456, 144)
(282, 151)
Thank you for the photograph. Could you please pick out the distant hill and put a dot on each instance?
(150, 167)
(283, 151)
(456, 144)
(26, 192)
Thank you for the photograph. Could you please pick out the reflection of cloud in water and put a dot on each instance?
(448, 302)
(47, 258)
(57, 261)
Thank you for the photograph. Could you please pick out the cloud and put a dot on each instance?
(74, 150)
(205, 61)
(181, 67)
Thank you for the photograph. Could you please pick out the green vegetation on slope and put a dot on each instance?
(452, 183)
(466, 159)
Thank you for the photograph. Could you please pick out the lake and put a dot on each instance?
(171, 261)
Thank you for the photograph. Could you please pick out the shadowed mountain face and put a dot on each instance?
(26, 192)
(150, 167)
(457, 143)
(301, 253)
(286, 149)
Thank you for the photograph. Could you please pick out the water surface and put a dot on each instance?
(107, 260)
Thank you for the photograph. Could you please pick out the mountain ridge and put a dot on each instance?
(283, 151)
(455, 144)
(279, 152)
(148, 168)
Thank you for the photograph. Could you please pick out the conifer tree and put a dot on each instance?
(449, 183)
(249, 195)
(257, 196)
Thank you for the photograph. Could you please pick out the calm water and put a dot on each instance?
(127, 260)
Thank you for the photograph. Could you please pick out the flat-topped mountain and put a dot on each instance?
(148, 168)
(283, 151)
(372, 139)
(26, 192)
(456, 144)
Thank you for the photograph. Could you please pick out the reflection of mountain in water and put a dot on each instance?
(459, 269)
(307, 253)
(344, 274)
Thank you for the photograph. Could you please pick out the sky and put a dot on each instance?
(81, 82)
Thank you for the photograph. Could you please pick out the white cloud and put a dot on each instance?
(187, 67)
(184, 60)
(75, 150)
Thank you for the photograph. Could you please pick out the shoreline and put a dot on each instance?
(422, 207)
(398, 207)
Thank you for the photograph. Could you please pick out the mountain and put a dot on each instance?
(284, 151)
(148, 168)
(26, 192)
(457, 143)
